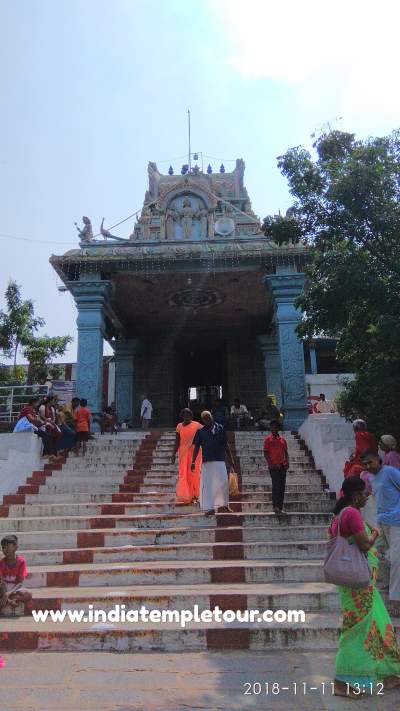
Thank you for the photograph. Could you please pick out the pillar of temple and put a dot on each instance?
(91, 297)
(124, 374)
(284, 288)
(272, 364)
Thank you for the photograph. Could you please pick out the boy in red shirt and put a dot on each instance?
(83, 418)
(12, 573)
(276, 454)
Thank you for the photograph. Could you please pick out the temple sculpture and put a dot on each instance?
(190, 214)
(195, 300)
(85, 232)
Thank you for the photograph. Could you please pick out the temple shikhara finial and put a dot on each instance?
(195, 206)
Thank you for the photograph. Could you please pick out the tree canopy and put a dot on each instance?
(18, 328)
(18, 323)
(347, 209)
(40, 353)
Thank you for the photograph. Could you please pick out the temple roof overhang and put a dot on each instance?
(252, 253)
(202, 288)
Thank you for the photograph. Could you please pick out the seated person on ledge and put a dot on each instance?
(240, 415)
(272, 413)
(12, 573)
(109, 421)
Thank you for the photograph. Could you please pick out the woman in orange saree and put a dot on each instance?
(188, 483)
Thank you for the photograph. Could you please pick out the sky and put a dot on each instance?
(91, 90)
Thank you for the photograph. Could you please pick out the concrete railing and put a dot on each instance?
(14, 397)
(19, 457)
(331, 440)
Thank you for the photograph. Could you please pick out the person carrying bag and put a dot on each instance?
(368, 652)
(345, 563)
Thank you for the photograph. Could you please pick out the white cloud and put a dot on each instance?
(352, 45)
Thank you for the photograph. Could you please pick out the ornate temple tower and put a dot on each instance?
(196, 299)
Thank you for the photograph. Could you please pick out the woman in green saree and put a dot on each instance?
(368, 658)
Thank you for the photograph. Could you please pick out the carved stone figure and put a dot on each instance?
(135, 234)
(156, 212)
(86, 232)
(145, 220)
(170, 219)
(187, 218)
(202, 214)
(106, 233)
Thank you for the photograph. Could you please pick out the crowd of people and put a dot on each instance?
(62, 428)
(203, 450)
(368, 651)
(367, 515)
(239, 417)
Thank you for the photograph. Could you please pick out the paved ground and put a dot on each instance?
(34, 681)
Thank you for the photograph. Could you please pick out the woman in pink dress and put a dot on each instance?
(188, 484)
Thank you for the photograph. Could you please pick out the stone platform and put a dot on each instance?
(201, 681)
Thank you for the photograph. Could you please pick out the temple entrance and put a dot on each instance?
(200, 376)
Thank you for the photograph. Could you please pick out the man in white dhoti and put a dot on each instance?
(214, 486)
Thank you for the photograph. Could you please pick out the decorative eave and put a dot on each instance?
(217, 254)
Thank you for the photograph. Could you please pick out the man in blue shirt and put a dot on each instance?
(214, 489)
(386, 489)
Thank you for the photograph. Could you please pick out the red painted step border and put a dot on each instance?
(229, 638)
(31, 486)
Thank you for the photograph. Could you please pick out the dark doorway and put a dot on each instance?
(201, 367)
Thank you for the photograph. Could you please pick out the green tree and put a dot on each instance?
(18, 323)
(16, 376)
(18, 326)
(348, 210)
(282, 229)
(40, 353)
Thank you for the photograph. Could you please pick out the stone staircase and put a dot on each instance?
(105, 530)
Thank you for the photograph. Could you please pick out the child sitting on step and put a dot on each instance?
(12, 573)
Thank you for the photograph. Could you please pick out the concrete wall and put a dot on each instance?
(330, 384)
(19, 457)
(331, 440)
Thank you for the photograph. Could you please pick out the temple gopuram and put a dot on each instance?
(196, 299)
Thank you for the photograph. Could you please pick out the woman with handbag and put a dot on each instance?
(368, 651)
